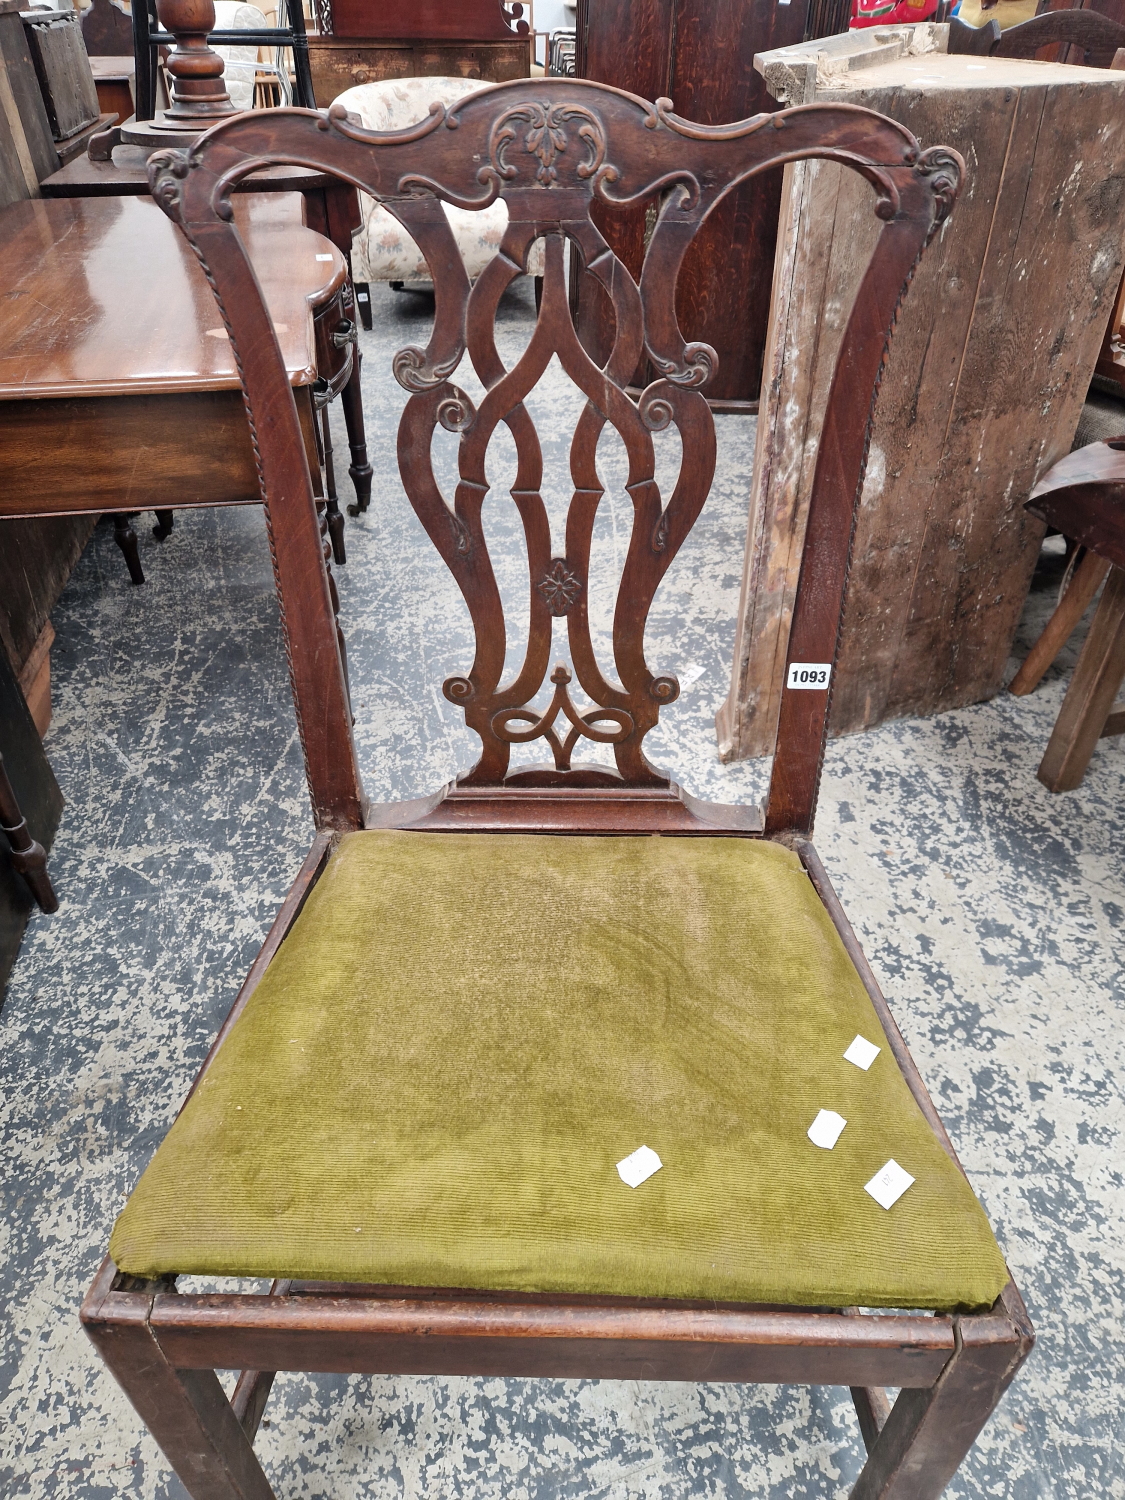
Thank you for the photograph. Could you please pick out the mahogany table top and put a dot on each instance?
(103, 297)
(126, 175)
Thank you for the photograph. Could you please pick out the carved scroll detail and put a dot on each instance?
(546, 139)
(543, 726)
(943, 168)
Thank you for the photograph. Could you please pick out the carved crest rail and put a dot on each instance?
(551, 149)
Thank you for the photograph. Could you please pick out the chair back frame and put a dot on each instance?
(551, 149)
(1099, 36)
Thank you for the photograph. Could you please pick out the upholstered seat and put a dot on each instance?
(382, 250)
(463, 1034)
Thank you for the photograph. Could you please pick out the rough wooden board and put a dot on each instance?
(984, 384)
(36, 150)
(65, 77)
(37, 556)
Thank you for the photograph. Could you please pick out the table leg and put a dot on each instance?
(126, 539)
(360, 468)
(335, 519)
(334, 212)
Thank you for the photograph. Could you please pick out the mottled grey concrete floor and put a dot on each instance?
(992, 912)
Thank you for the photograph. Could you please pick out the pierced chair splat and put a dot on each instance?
(582, 988)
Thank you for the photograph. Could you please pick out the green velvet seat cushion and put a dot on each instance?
(464, 1033)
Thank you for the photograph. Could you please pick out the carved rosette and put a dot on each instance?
(560, 587)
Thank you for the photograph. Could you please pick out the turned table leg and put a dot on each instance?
(29, 857)
(359, 468)
(126, 539)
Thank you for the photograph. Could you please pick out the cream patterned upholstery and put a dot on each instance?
(241, 62)
(382, 250)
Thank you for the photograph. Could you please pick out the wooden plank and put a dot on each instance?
(643, 68)
(425, 20)
(36, 559)
(40, 802)
(26, 151)
(65, 77)
(723, 294)
(723, 297)
(339, 63)
(1003, 319)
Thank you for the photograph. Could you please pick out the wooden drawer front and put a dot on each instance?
(339, 64)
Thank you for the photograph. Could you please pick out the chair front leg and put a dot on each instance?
(929, 1432)
(184, 1410)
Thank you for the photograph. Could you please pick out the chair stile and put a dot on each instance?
(553, 148)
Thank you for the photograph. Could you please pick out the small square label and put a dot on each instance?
(888, 1184)
(825, 1129)
(862, 1052)
(809, 674)
(324, 257)
(638, 1167)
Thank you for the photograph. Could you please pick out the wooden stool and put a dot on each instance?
(1083, 495)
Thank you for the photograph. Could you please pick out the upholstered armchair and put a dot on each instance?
(382, 250)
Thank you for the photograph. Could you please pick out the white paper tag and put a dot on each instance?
(862, 1052)
(361, 297)
(324, 257)
(636, 1168)
(690, 676)
(888, 1184)
(825, 1129)
(809, 674)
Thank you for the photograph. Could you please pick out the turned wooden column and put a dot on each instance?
(199, 90)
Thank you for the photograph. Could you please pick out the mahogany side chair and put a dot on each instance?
(421, 1118)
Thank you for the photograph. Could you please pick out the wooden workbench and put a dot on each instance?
(118, 390)
(990, 363)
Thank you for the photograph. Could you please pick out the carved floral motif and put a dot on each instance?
(560, 588)
(546, 138)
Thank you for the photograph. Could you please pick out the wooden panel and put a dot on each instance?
(114, 80)
(127, 453)
(724, 289)
(67, 84)
(39, 800)
(642, 68)
(76, 266)
(423, 20)
(107, 30)
(723, 297)
(36, 559)
(27, 151)
(987, 373)
(339, 64)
